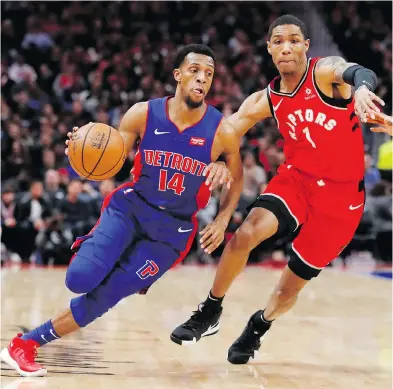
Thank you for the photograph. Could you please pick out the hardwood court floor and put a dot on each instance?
(338, 336)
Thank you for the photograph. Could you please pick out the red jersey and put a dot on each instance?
(322, 136)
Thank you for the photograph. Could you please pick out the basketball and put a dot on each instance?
(96, 151)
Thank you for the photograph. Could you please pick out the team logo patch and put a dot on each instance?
(309, 94)
(197, 141)
(149, 269)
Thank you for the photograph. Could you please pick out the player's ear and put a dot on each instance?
(177, 75)
(268, 48)
(307, 44)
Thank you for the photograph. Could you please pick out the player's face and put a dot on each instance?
(195, 77)
(288, 48)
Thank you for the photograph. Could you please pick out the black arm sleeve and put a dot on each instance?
(357, 76)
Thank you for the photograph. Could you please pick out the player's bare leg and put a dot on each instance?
(65, 323)
(281, 300)
(284, 295)
(260, 225)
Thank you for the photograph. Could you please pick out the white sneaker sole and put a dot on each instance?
(6, 357)
(211, 331)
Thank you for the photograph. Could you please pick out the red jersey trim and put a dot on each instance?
(170, 120)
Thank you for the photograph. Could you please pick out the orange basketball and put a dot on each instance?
(96, 151)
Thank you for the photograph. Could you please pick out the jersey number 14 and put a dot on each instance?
(175, 183)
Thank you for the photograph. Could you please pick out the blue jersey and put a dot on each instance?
(169, 164)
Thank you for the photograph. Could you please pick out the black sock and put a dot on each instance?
(212, 302)
(260, 322)
(265, 320)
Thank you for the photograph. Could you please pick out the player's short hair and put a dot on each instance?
(288, 19)
(193, 48)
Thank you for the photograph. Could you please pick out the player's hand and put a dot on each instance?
(213, 235)
(217, 174)
(69, 136)
(364, 103)
(383, 123)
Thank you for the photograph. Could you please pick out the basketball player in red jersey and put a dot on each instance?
(318, 190)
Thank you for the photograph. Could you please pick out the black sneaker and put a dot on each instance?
(249, 342)
(203, 322)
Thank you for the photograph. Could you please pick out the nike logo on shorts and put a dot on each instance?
(352, 208)
(181, 230)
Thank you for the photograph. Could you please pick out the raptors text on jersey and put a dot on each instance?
(322, 135)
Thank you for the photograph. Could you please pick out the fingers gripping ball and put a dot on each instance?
(96, 151)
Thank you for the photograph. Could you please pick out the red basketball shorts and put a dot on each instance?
(326, 212)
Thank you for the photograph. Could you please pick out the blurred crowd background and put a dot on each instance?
(64, 64)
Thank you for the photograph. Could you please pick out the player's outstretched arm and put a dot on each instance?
(228, 143)
(335, 70)
(253, 109)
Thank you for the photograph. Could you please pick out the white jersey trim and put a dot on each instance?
(272, 107)
(299, 85)
(286, 206)
(303, 260)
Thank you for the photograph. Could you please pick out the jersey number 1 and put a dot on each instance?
(308, 137)
(175, 183)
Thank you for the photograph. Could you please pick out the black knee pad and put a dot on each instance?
(286, 223)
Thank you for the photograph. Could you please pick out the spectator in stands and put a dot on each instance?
(385, 160)
(31, 213)
(53, 243)
(381, 208)
(20, 71)
(52, 187)
(106, 187)
(78, 214)
(372, 175)
(254, 178)
(36, 36)
(9, 229)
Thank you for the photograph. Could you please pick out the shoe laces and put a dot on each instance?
(199, 317)
(31, 353)
(30, 349)
(250, 338)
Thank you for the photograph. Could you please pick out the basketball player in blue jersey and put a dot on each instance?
(147, 226)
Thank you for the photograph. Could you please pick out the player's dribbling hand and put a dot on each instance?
(213, 235)
(217, 174)
(364, 103)
(383, 123)
(69, 136)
